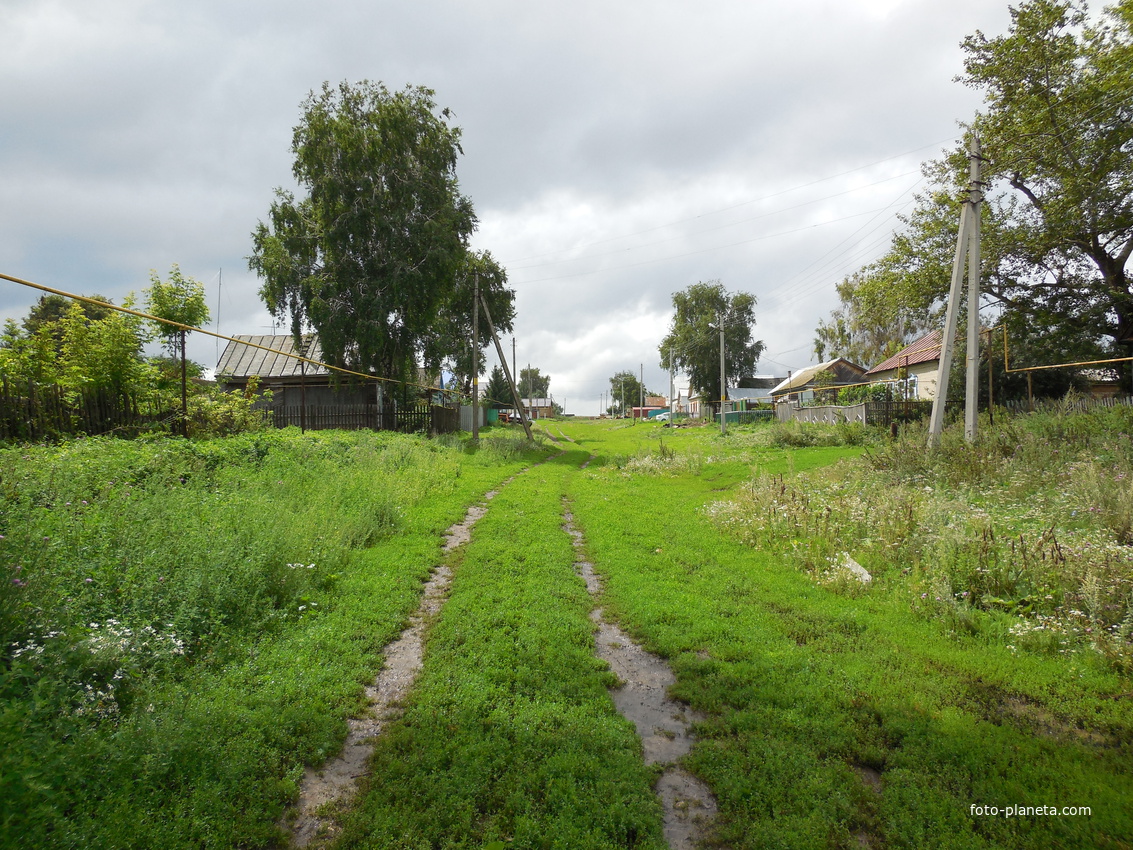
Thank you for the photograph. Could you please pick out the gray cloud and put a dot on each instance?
(616, 153)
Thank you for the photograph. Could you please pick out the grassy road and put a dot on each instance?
(839, 720)
(837, 715)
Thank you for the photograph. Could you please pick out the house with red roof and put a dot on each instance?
(914, 370)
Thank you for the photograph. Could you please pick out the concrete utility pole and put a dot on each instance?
(968, 241)
(641, 385)
(476, 358)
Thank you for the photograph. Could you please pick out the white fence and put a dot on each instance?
(829, 414)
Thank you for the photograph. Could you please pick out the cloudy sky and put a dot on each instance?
(616, 152)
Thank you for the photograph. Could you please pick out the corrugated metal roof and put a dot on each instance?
(924, 350)
(842, 368)
(243, 361)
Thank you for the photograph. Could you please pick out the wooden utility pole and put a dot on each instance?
(507, 373)
(967, 242)
(184, 390)
(723, 380)
(476, 357)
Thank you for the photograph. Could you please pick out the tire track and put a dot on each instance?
(662, 724)
(334, 783)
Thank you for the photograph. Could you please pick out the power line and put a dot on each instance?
(737, 206)
(193, 329)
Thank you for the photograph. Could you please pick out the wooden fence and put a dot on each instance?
(1066, 405)
(30, 412)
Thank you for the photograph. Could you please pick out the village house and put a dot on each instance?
(801, 386)
(271, 359)
(914, 371)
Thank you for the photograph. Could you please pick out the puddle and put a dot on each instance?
(661, 723)
(336, 780)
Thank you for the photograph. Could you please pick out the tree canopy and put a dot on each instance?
(179, 299)
(373, 254)
(532, 383)
(692, 344)
(1057, 223)
(449, 345)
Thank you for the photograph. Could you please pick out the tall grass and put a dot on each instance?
(1023, 535)
(183, 624)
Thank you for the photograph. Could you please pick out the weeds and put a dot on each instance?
(183, 623)
(971, 530)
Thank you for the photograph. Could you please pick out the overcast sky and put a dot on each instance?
(615, 152)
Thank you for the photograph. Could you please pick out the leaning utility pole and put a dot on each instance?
(967, 242)
(507, 373)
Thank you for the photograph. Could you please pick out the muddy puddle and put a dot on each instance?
(662, 724)
(335, 781)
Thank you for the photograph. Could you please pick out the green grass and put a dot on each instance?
(805, 686)
(509, 734)
(186, 624)
(172, 659)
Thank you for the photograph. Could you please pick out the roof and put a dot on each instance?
(243, 361)
(736, 393)
(924, 350)
(841, 367)
(759, 382)
(536, 402)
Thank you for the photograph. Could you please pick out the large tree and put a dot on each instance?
(692, 344)
(1057, 217)
(497, 393)
(1057, 133)
(372, 254)
(179, 299)
(874, 321)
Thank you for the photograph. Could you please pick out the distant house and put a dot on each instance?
(270, 358)
(538, 408)
(914, 370)
(753, 391)
(802, 385)
(1103, 383)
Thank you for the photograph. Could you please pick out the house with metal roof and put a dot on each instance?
(274, 360)
(801, 385)
(914, 369)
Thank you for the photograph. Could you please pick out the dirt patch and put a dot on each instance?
(334, 783)
(662, 724)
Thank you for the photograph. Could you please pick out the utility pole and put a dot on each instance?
(515, 373)
(967, 241)
(476, 358)
(641, 385)
(671, 384)
(723, 380)
(510, 378)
